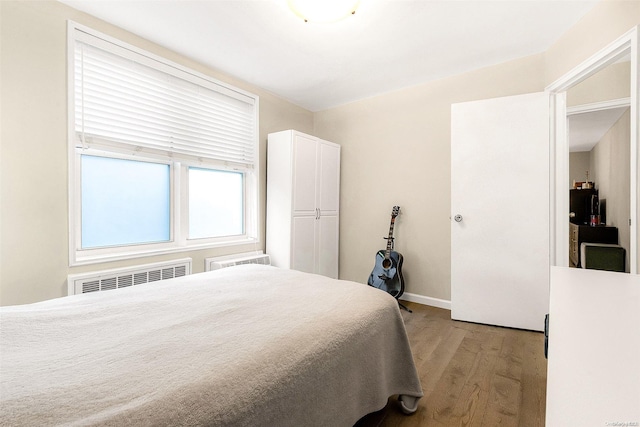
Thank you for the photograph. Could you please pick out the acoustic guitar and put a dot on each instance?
(387, 273)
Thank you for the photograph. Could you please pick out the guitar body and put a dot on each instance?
(387, 273)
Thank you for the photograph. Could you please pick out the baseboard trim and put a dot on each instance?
(420, 299)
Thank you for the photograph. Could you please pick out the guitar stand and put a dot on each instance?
(403, 306)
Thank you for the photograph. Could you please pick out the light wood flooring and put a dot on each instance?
(471, 374)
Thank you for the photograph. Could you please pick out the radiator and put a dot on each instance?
(124, 277)
(217, 263)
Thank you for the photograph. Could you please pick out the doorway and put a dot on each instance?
(621, 54)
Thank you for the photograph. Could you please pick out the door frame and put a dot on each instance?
(627, 44)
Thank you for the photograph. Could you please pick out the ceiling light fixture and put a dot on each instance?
(323, 11)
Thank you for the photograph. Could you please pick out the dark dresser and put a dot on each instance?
(586, 233)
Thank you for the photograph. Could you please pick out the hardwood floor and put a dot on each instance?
(471, 374)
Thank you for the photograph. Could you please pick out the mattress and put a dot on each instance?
(242, 346)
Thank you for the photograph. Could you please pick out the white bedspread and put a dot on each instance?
(243, 346)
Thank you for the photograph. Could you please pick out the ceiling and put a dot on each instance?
(385, 46)
(587, 129)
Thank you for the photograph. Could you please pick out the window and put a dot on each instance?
(162, 158)
(218, 194)
(124, 202)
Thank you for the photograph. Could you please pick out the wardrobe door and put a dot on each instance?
(305, 171)
(303, 243)
(327, 249)
(328, 178)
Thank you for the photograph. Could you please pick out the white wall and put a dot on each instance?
(607, 21)
(33, 154)
(609, 161)
(579, 164)
(613, 82)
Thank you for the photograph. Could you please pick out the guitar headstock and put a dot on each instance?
(395, 211)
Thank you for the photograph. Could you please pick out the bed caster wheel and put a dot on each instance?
(408, 404)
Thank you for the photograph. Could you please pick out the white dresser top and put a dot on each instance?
(593, 376)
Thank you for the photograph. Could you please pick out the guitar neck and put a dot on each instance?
(390, 238)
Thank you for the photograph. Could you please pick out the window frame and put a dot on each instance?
(179, 167)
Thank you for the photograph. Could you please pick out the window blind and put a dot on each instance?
(133, 102)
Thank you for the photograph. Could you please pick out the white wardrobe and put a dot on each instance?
(303, 202)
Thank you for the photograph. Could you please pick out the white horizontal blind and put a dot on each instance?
(132, 102)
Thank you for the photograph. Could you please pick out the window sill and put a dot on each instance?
(85, 259)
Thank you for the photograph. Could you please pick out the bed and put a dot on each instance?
(243, 346)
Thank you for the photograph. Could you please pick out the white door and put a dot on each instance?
(329, 178)
(328, 236)
(303, 243)
(329, 207)
(304, 175)
(500, 211)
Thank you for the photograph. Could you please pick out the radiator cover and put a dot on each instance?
(103, 280)
(217, 263)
